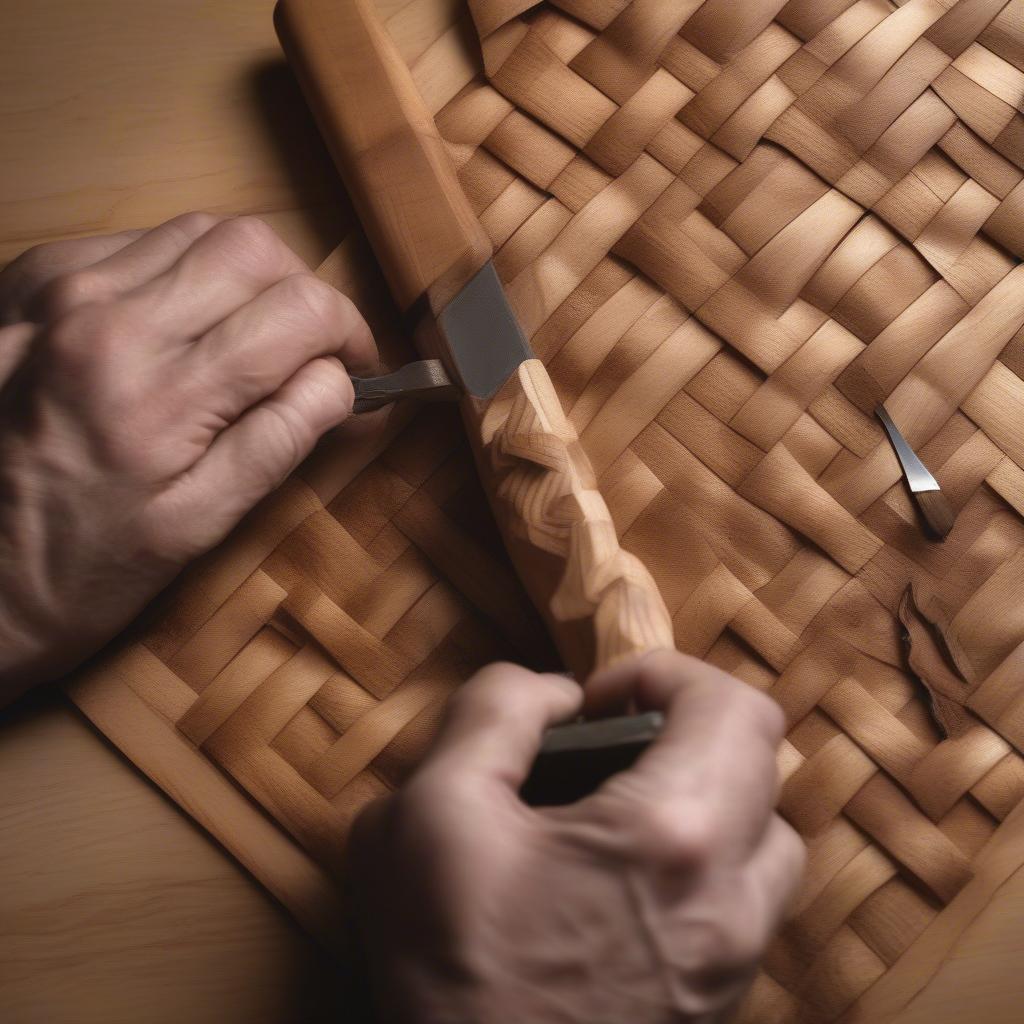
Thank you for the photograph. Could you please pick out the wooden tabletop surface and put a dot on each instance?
(114, 906)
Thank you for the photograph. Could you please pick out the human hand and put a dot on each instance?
(649, 901)
(154, 385)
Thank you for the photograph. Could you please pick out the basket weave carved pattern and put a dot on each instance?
(730, 229)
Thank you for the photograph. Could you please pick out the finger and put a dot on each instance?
(715, 759)
(255, 454)
(495, 723)
(646, 681)
(29, 274)
(15, 342)
(153, 253)
(658, 680)
(226, 267)
(258, 347)
(776, 870)
(126, 268)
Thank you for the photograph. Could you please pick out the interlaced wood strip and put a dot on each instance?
(730, 229)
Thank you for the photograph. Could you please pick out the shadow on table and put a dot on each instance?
(294, 134)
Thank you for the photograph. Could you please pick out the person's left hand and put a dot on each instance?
(154, 385)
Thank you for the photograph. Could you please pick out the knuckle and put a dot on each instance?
(250, 243)
(489, 692)
(729, 947)
(40, 262)
(328, 392)
(328, 374)
(83, 349)
(346, 310)
(284, 440)
(194, 223)
(312, 300)
(69, 292)
(674, 836)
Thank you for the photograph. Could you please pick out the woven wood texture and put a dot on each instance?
(730, 230)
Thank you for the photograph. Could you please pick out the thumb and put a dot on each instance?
(253, 456)
(496, 722)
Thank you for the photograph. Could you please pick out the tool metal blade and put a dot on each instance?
(483, 336)
(917, 474)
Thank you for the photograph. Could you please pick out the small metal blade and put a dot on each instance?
(484, 338)
(576, 759)
(917, 474)
(426, 380)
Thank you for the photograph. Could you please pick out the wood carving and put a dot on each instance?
(730, 230)
(424, 231)
(600, 601)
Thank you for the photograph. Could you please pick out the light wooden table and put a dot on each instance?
(113, 905)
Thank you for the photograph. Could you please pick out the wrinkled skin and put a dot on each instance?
(154, 385)
(648, 902)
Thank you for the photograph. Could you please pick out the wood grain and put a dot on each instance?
(115, 906)
(123, 115)
(602, 603)
(118, 120)
(380, 132)
(599, 600)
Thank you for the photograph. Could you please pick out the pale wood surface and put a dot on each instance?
(114, 906)
(383, 137)
(121, 115)
(601, 602)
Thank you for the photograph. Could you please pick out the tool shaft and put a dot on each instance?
(386, 145)
(600, 602)
(917, 474)
(426, 380)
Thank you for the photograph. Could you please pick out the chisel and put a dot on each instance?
(600, 602)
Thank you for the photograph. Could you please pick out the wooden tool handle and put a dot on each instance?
(386, 145)
(600, 602)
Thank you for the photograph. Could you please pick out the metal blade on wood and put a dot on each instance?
(917, 474)
(574, 760)
(426, 380)
(484, 338)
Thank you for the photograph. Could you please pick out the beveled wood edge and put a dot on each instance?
(303, 888)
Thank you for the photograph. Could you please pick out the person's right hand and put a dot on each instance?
(154, 385)
(649, 902)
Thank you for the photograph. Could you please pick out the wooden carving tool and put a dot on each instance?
(599, 601)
